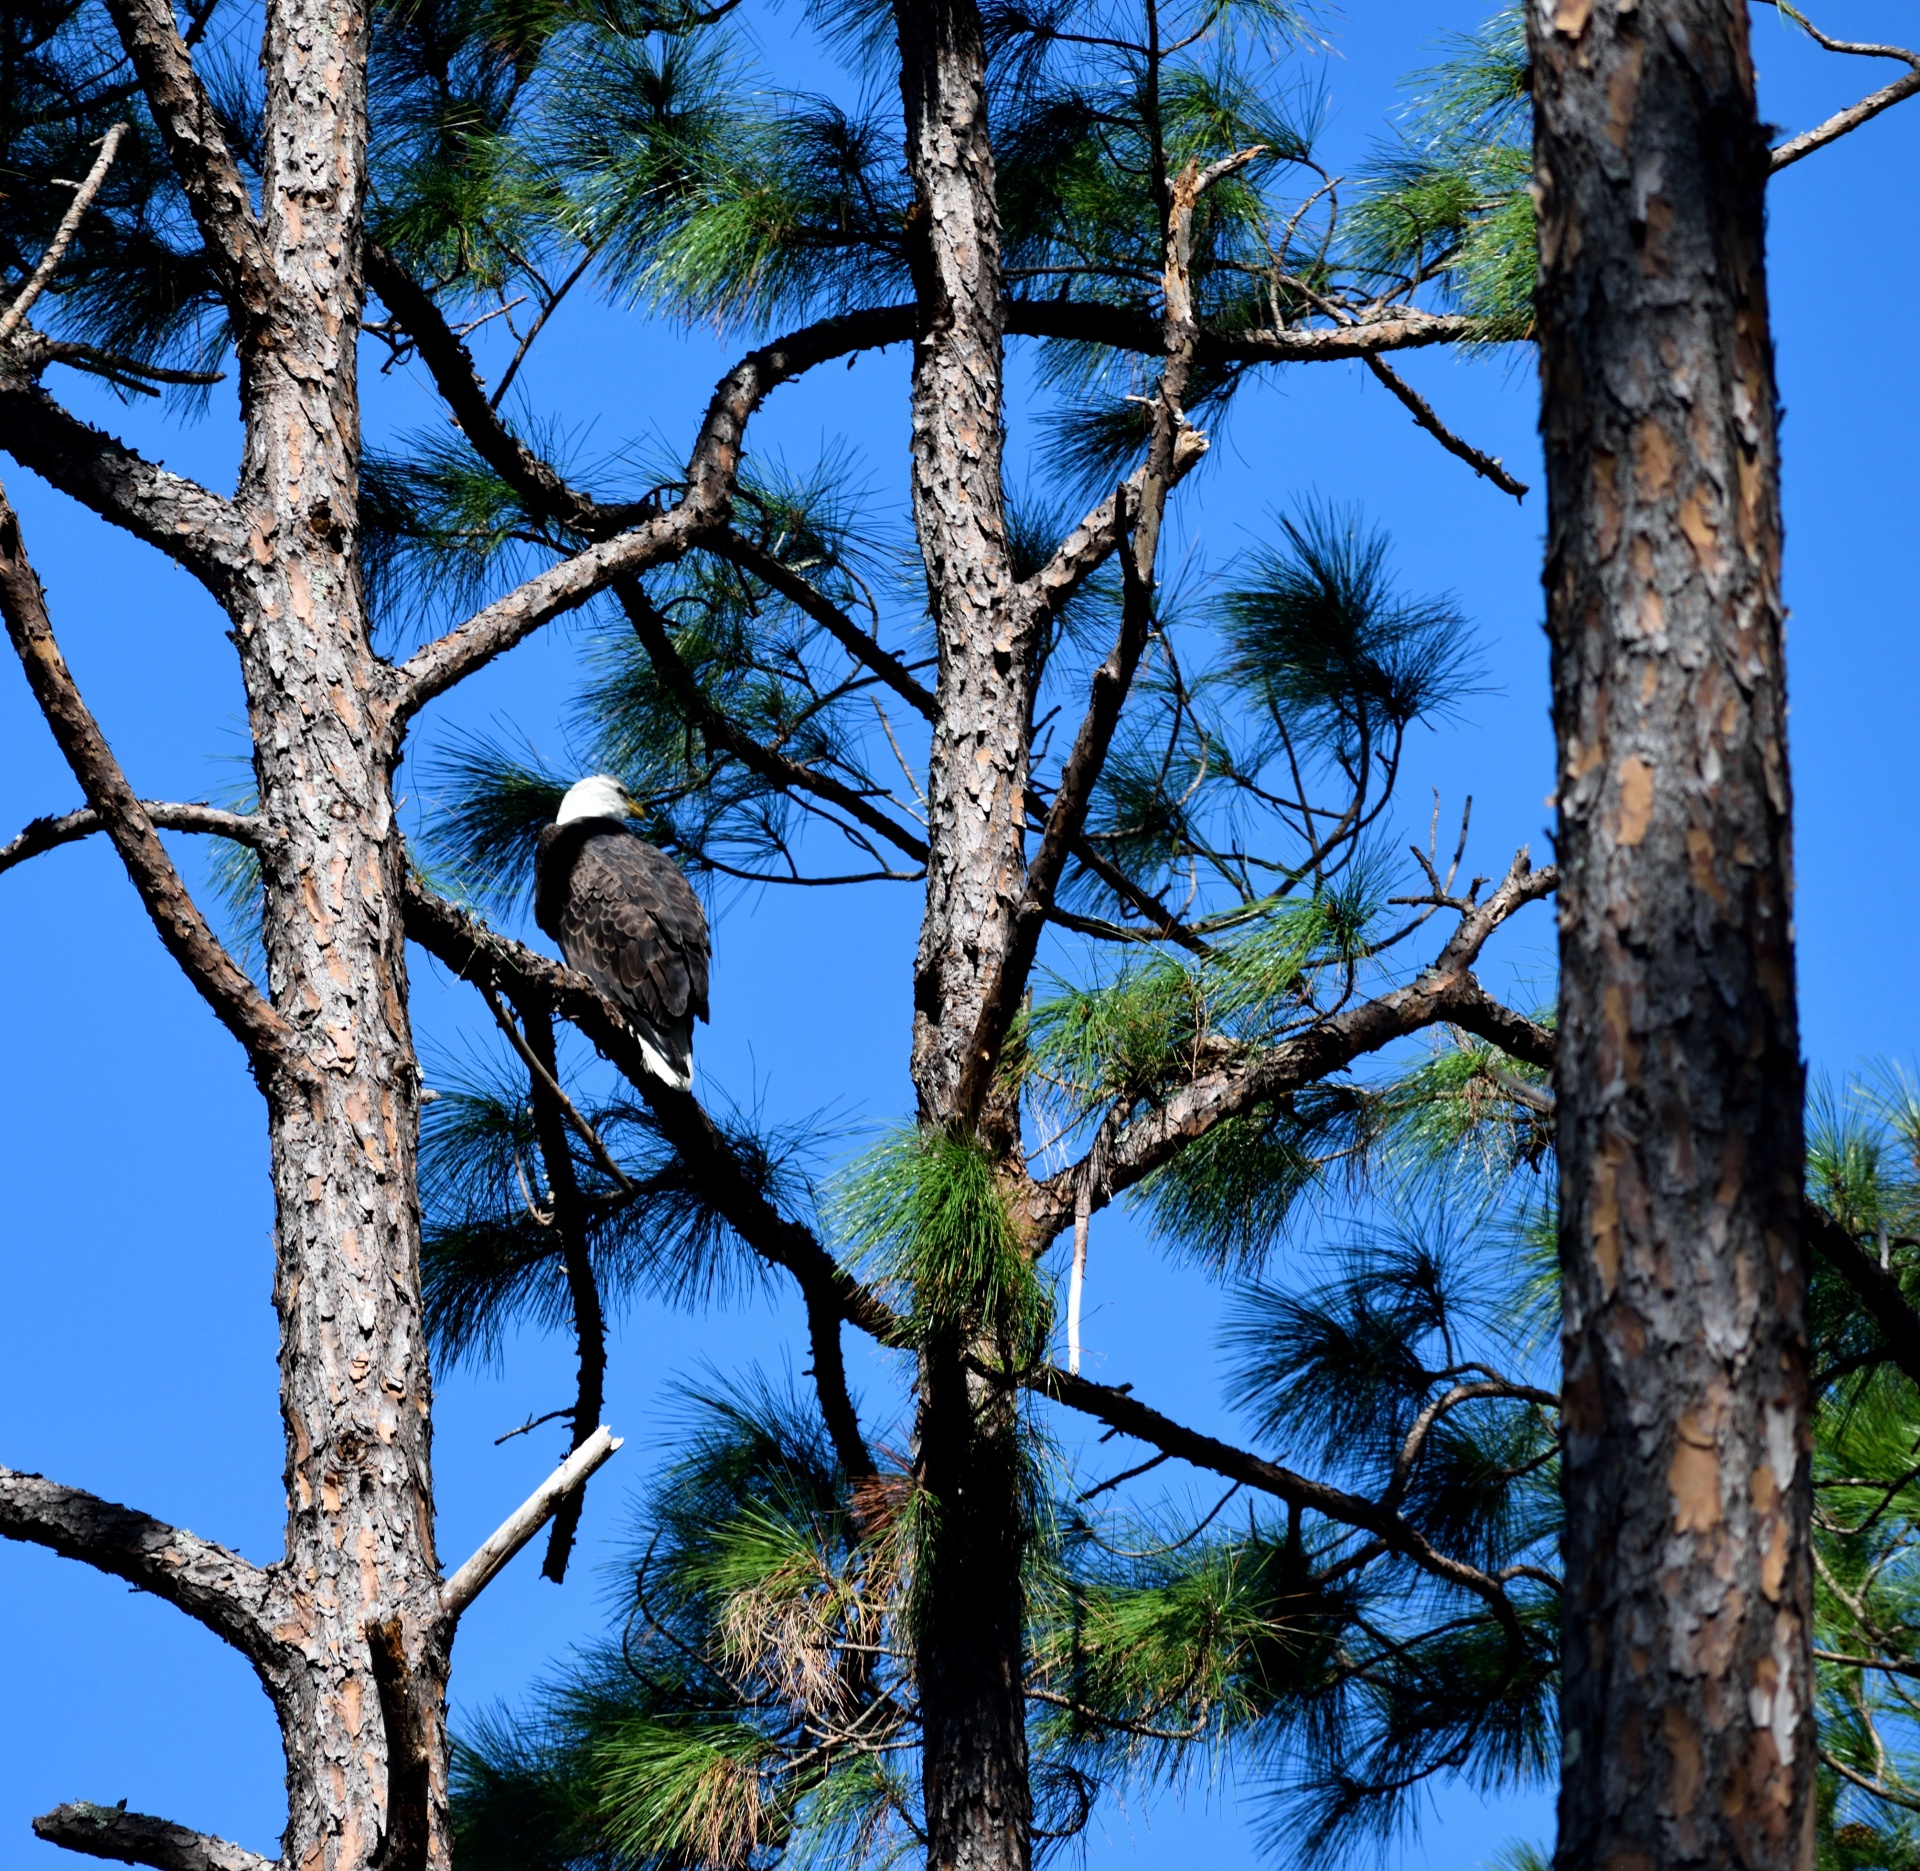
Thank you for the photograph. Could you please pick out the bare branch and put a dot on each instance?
(140, 1839)
(1098, 537)
(48, 834)
(215, 1587)
(523, 1523)
(1423, 413)
(1123, 329)
(209, 177)
(718, 728)
(1854, 115)
(192, 525)
(63, 234)
(182, 928)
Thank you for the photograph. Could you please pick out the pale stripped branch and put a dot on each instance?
(523, 1523)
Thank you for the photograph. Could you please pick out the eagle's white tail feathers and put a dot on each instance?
(677, 1072)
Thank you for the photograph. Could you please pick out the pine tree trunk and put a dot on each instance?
(364, 1731)
(1687, 1701)
(969, 1622)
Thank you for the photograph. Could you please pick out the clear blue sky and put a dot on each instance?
(136, 1334)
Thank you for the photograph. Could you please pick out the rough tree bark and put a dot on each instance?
(1687, 1711)
(970, 1634)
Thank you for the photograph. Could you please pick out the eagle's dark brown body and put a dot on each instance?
(627, 919)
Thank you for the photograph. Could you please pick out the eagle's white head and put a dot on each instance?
(600, 796)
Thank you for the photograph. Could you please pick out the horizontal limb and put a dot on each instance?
(1121, 328)
(66, 828)
(523, 1523)
(140, 1839)
(231, 1596)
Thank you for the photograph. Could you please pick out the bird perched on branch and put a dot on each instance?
(627, 919)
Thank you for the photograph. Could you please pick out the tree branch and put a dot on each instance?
(1123, 1412)
(215, 1587)
(140, 1839)
(63, 234)
(477, 954)
(196, 146)
(1854, 115)
(1445, 992)
(1877, 1290)
(522, 1524)
(651, 628)
(1121, 328)
(49, 833)
(755, 560)
(184, 931)
(705, 508)
(551, 1111)
(1098, 536)
(1423, 413)
(538, 486)
(193, 526)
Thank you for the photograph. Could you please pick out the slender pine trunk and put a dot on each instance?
(1687, 1703)
(364, 1728)
(970, 1622)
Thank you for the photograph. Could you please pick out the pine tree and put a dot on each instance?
(1125, 190)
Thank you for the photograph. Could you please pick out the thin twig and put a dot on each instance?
(1854, 115)
(63, 235)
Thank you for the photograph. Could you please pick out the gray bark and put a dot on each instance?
(1687, 1702)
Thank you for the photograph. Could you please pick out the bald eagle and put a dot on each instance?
(626, 918)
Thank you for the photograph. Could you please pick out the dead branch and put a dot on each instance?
(1423, 413)
(229, 1595)
(522, 1524)
(1854, 115)
(182, 929)
(49, 833)
(140, 1839)
(63, 235)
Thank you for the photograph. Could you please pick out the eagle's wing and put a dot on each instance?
(630, 922)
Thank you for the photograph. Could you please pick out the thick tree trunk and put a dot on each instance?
(1687, 1704)
(364, 1729)
(969, 1647)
